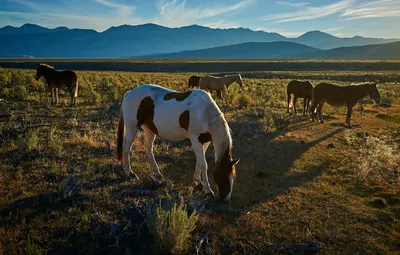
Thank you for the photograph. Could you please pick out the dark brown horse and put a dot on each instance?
(342, 96)
(58, 80)
(194, 81)
(300, 89)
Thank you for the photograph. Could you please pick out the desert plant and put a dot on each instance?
(170, 225)
(33, 249)
(32, 140)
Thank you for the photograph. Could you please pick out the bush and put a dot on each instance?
(17, 93)
(17, 78)
(170, 226)
(32, 140)
(379, 162)
(231, 95)
(94, 97)
(244, 101)
(33, 249)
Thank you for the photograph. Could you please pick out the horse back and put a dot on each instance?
(333, 94)
(300, 88)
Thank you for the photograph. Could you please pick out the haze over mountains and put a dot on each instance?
(155, 40)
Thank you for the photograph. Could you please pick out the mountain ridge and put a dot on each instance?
(147, 39)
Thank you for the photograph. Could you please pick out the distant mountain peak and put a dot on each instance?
(316, 33)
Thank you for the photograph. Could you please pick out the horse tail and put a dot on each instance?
(120, 135)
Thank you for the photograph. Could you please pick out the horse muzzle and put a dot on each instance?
(36, 77)
(377, 101)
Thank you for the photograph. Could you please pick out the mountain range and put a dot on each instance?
(151, 40)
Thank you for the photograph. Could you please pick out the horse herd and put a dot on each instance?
(194, 115)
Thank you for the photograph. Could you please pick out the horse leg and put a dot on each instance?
(288, 101)
(308, 103)
(294, 104)
(76, 94)
(129, 139)
(149, 138)
(53, 96)
(349, 111)
(197, 173)
(219, 94)
(319, 111)
(56, 91)
(201, 160)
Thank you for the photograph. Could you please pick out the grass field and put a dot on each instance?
(298, 182)
(207, 65)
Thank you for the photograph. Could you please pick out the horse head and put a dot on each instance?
(374, 93)
(224, 176)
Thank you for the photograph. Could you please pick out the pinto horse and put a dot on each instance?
(58, 80)
(300, 89)
(218, 83)
(176, 116)
(342, 96)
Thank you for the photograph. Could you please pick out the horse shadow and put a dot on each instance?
(265, 171)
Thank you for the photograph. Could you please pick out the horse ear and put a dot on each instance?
(235, 161)
(38, 64)
(376, 83)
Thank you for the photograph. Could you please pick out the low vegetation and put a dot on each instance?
(299, 185)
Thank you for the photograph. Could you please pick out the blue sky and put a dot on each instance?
(343, 18)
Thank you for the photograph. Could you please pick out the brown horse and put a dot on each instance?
(342, 96)
(300, 89)
(58, 80)
(194, 81)
(218, 83)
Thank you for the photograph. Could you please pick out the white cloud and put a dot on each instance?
(309, 13)
(123, 10)
(177, 13)
(332, 29)
(52, 20)
(375, 9)
(26, 3)
(296, 5)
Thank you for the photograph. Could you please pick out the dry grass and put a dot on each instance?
(297, 182)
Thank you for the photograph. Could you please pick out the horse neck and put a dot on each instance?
(230, 79)
(221, 139)
(49, 72)
(360, 91)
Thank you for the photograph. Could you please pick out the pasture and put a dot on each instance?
(298, 182)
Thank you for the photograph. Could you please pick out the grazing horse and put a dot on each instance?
(194, 81)
(176, 116)
(218, 83)
(300, 89)
(58, 80)
(342, 96)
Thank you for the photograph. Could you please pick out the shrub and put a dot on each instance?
(17, 93)
(244, 101)
(379, 162)
(55, 144)
(170, 226)
(33, 249)
(17, 78)
(231, 95)
(32, 140)
(94, 97)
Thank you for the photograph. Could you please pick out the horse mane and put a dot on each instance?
(223, 139)
(363, 83)
(46, 65)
